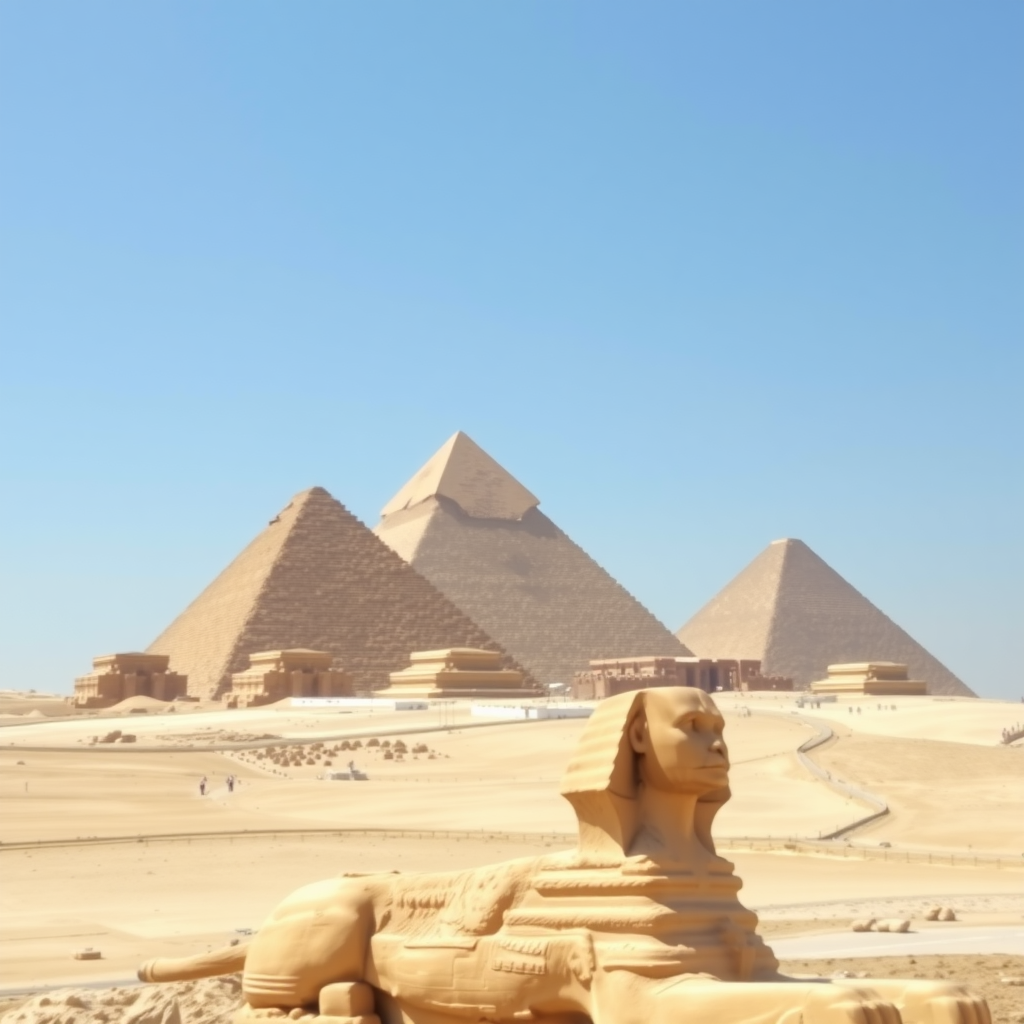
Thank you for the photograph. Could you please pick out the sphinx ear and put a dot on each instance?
(639, 738)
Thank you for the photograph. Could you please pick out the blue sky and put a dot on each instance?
(701, 275)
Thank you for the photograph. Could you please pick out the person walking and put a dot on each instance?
(202, 786)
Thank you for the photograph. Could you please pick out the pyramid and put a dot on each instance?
(797, 615)
(476, 533)
(318, 578)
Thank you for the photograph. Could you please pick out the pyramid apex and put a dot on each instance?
(299, 500)
(309, 492)
(463, 472)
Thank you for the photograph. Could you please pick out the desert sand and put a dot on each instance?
(111, 845)
(195, 1002)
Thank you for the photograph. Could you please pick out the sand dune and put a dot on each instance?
(504, 777)
(953, 719)
(940, 794)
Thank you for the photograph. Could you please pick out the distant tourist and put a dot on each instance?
(202, 786)
(231, 783)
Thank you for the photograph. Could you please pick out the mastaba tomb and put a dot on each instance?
(796, 615)
(872, 678)
(477, 534)
(607, 677)
(316, 578)
(115, 677)
(460, 673)
(275, 675)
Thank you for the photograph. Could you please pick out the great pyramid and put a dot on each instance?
(476, 533)
(796, 614)
(318, 578)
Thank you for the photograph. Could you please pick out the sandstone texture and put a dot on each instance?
(797, 615)
(475, 532)
(317, 578)
(190, 1002)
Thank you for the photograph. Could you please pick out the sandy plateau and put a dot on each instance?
(111, 846)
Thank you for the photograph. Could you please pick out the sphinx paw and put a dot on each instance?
(953, 1008)
(828, 1006)
(347, 1002)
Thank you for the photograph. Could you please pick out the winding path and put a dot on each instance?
(822, 735)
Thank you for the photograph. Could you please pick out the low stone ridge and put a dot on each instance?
(540, 595)
(317, 578)
(797, 615)
(188, 1002)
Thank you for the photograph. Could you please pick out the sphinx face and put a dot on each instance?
(678, 740)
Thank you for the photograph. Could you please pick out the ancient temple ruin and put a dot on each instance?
(607, 677)
(115, 677)
(871, 678)
(275, 675)
(460, 673)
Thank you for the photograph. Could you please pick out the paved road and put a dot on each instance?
(1009, 941)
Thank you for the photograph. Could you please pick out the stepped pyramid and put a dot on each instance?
(797, 615)
(316, 577)
(476, 533)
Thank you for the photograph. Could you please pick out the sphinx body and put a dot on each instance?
(640, 924)
(528, 935)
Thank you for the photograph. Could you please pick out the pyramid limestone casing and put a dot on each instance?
(549, 604)
(796, 614)
(316, 577)
(462, 471)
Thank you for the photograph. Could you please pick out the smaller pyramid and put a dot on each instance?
(476, 533)
(797, 615)
(315, 578)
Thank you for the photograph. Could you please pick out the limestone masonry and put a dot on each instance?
(476, 533)
(607, 677)
(274, 675)
(461, 673)
(797, 616)
(116, 677)
(879, 678)
(315, 578)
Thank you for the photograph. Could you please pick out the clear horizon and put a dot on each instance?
(698, 276)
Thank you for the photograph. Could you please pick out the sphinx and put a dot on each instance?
(640, 923)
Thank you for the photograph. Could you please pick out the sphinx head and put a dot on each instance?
(668, 738)
(676, 735)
